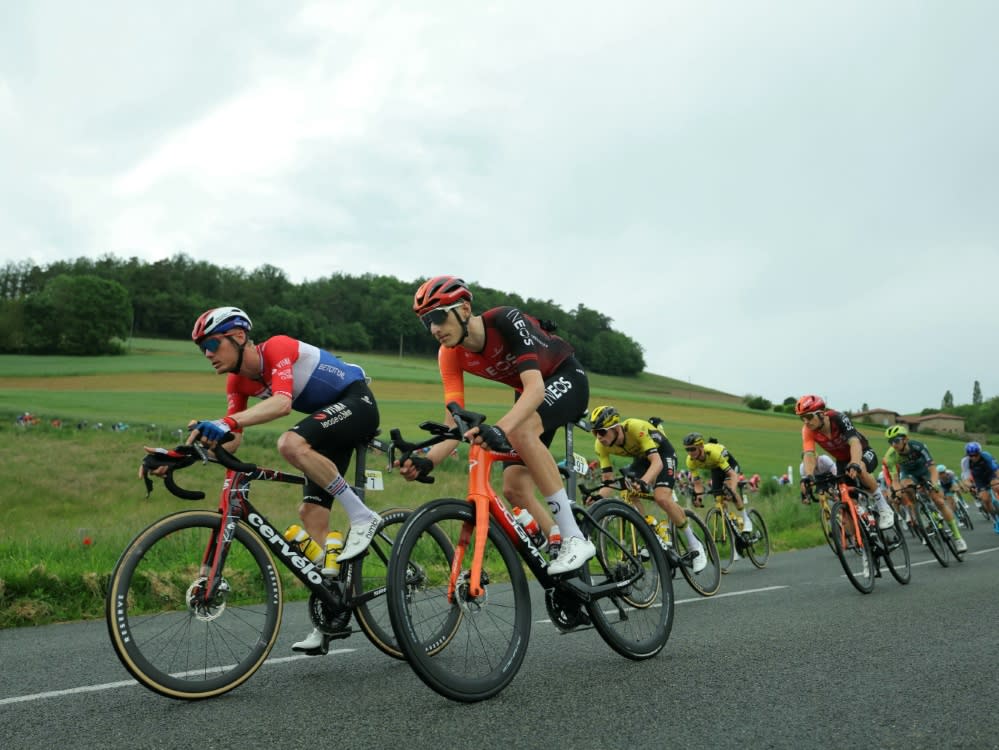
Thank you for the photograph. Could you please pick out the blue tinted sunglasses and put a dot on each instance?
(438, 315)
(210, 345)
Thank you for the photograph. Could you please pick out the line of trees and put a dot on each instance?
(88, 306)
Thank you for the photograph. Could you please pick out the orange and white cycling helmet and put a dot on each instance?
(440, 291)
(808, 404)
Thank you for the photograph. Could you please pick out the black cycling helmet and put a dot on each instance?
(693, 438)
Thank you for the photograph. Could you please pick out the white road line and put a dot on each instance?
(132, 683)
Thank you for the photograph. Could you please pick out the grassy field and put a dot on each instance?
(70, 498)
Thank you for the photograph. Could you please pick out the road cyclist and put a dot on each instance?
(715, 458)
(952, 488)
(653, 465)
(909, 463)
(835, 433)
(506, 345)
(982, 471)
(291, 375)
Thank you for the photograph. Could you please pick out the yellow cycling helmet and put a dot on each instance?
(896, 430)
(603, 417)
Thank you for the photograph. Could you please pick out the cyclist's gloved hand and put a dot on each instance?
(494, 438)
(422, 464)
(853, 467)
(642, 486)
(216, 429)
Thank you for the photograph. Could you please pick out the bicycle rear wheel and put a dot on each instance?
(168, 641)
(708, 581)
(961, 509)
(466, 648)
(932, 533)
(896, 552)
(637, 619)
(852, 549)
(758, 541)
(720, 534)
(370, 572)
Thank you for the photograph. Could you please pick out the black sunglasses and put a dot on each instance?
(437, 316)
(601, 431)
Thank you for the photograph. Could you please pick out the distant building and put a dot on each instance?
(938, 422)
(883, 417)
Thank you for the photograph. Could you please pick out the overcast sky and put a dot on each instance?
(770, 197)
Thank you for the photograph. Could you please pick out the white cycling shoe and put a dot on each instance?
(574, 553)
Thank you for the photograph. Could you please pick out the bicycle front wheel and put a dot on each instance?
(467, 648)
(758, 541)
(636, 619)
(168, 638)
(715, 520)
(708, 581)
(825, 520)
(852, 549)
(932, 533)
(896, 552)
(369, 575)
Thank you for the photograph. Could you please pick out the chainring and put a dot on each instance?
(566, 612)
(330, 620)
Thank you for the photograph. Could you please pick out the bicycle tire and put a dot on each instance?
(708, 581)
(159, 637)
(370, 572)
(932, 533)
(641, 630)
(466, 649)
(825, 522)
(853, 549)
(721, 535)
(758, 543)
(896, 552)
(961, 510)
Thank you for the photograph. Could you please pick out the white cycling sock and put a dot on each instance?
(561, 509)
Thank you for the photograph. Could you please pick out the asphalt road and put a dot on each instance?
(786, 657)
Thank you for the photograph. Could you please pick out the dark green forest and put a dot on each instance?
(88, 306)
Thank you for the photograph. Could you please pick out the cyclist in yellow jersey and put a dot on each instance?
(724, 469)
(654, 464)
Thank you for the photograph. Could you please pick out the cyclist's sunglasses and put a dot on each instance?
(438, 315)
(210, 345)
(809, 415)
(692, 449)
(601, 431)
(897, 439)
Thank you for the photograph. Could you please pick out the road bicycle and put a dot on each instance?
(935, 531)
(859, 543)
(195, 601)
(726, 531)
(627, 598)
(674, 544)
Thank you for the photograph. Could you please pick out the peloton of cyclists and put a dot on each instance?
(909, 462)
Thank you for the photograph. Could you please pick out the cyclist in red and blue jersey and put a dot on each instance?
(836, 434)
(508, 346)
(291, 375)
(983, 470)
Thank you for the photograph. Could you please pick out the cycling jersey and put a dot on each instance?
(981, 471)
(640, 440)
(716, 456)
(836, 444)
(915, 462)
(311, 377)
(515, 343)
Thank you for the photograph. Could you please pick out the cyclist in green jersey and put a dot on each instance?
(909, 461)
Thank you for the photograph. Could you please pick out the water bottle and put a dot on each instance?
(554, 542)
(527, 522)
(334, 546)
(305, 543)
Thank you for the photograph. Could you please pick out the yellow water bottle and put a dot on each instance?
(306, 544)
(334, 546)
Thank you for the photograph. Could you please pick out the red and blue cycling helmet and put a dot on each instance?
(219, 320)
